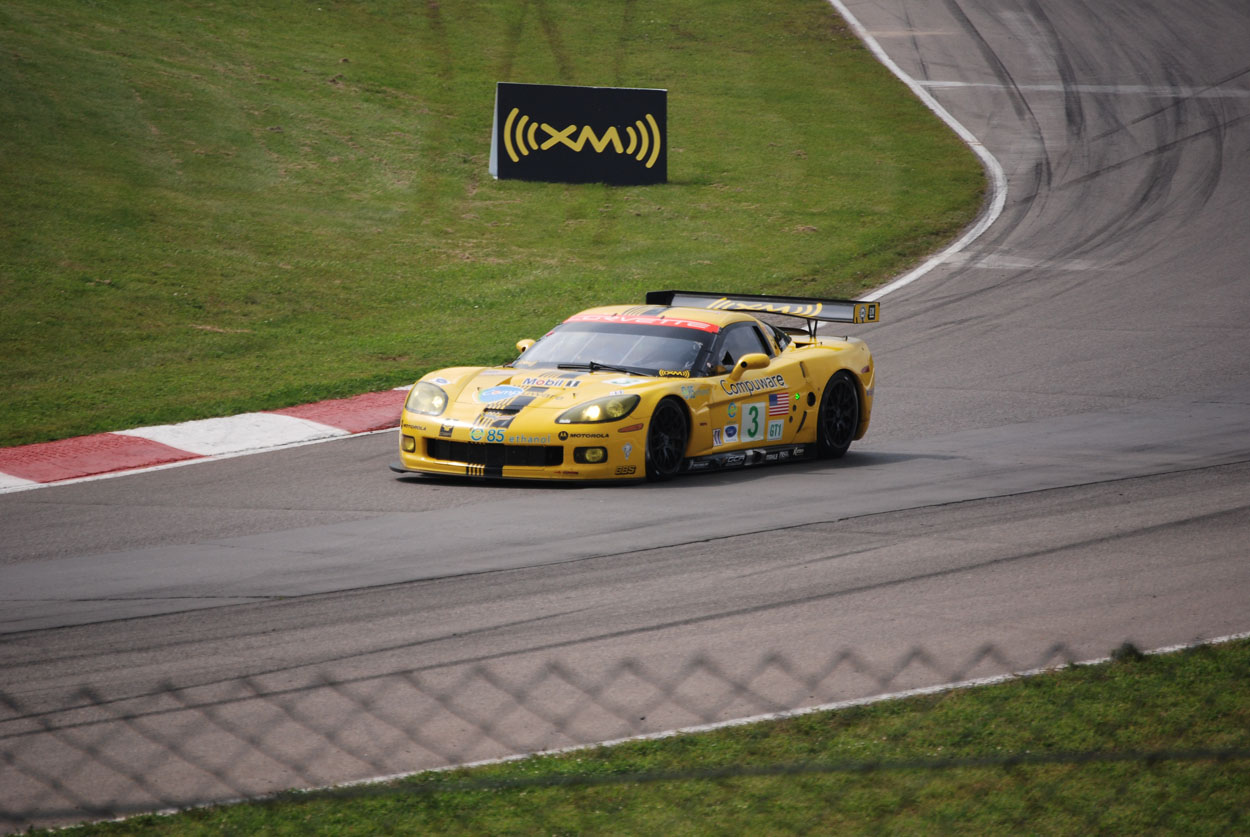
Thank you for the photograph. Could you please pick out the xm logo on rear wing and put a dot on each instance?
(822, 310)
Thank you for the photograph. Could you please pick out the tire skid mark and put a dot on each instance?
(1154, 200)
(1175, 128)
(438, 27)
(512, 41)
(148, 690)
(434, 133)
(1017, 99)
(915, 44)
(1178, 101)
(1162, 195)
(628, 10)
(551, 31)
(547, 23)
(1074, 112)
(813, 597)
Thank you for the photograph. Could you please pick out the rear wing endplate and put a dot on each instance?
(822, 310)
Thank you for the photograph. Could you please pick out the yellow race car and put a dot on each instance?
(690, 381)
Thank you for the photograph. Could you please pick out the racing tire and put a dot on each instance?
(667, 437)
(838, 419)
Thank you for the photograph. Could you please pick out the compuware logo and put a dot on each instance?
(566, 134)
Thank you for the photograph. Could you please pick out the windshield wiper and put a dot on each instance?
(595, 366)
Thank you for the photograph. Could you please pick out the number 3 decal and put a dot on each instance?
(752, 422)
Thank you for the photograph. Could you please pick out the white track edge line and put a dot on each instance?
(998, 180)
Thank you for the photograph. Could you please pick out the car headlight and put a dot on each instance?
(427, 399)
(611, 408)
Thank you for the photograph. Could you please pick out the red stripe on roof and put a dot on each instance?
(663, 321)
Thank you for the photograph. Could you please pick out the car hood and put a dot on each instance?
(503, 388)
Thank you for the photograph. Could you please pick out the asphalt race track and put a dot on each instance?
(1059, 462)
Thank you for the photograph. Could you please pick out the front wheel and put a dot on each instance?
(666, 440)
(839, 415)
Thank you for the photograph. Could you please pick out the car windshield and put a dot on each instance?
(628, 346)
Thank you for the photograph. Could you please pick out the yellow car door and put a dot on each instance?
(752, 402)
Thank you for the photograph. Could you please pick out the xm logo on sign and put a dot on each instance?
(644, 144)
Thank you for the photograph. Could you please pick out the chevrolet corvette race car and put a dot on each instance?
(688, 382)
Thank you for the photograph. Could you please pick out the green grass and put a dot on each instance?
(213, 206)
(1036, 756)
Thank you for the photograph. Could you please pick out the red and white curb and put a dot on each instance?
(125, 451)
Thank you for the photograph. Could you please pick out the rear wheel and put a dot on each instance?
(666, 440)
(839, 415)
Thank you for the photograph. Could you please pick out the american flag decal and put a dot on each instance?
(779, 404)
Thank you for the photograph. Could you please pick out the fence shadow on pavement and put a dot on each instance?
(85, 755)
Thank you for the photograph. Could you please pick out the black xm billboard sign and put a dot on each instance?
(564, 134)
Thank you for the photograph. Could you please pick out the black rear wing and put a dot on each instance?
(821, 310)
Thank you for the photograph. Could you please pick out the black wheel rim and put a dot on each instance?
(841, 413)
(666, 442)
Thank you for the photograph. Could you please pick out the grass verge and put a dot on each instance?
(215, 206)
(1157, 744)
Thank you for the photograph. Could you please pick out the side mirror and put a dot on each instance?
(754, 360)
(522, 345)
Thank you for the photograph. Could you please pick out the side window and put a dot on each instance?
(741, 339)
(783, 340)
